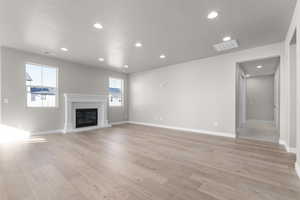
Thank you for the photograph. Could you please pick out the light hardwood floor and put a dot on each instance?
(259, 130)
(131, 162)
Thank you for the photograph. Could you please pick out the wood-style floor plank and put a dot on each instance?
(145, 163)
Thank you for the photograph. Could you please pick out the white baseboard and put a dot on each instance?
(119, 123)
(69, 131)
(297, 168)
(282, 142)
(231, 135)
(287, 148)
(47, 132)
(292, 150)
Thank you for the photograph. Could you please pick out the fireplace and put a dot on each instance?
(86, 117)
(91, 114)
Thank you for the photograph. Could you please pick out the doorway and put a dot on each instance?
(258, 99)
(292, 122)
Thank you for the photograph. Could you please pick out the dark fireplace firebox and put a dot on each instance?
(86, 117)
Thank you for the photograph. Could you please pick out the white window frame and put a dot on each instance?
(122, 90)
(57, 87)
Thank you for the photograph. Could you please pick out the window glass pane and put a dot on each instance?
(49, 100)
(33, 75)
(41, 85)
(49, 76)
(115, 101)
(34, 100)
(115, 92)
(115, 83)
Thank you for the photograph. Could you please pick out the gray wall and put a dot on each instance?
(195, 95)
(73, 78)
(260, 98)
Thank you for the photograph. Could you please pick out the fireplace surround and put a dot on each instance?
(75, 103)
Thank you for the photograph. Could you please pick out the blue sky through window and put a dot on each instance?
(41, 76)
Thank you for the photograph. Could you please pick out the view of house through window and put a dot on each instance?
(115, 92)
(41, 85)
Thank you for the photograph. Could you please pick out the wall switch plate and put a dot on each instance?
(5, 100)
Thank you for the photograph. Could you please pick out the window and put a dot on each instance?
(41, 85)
(115, 92)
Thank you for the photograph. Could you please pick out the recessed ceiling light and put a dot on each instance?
(212, 15)
(64, 49)
(98, 26)
(138, 44)
(259, 67)
(126, 66)
(162, 56)
(101, 59)
(227, 38)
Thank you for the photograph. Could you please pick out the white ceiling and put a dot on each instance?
(269, 66)
(177, 28)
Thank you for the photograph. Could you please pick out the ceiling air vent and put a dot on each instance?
(224, 46)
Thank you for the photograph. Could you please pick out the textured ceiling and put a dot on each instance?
(177, 28)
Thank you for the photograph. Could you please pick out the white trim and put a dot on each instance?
(287, 148)
(119, 123)
(58, 131)
(62, 131)
(223, 134)
(282, 142)
(292, 150)
(297, 169)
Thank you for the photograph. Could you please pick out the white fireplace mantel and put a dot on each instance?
(73, 101)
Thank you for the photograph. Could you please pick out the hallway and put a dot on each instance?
(259, 130)
(258, 103)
